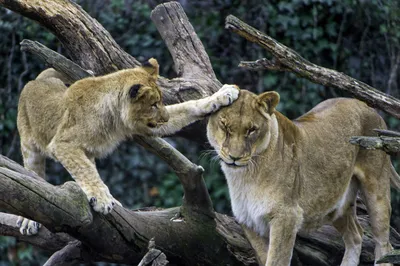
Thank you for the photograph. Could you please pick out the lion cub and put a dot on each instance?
(89, 119)
(285, 176)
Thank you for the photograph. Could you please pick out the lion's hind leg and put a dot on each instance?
(374, 175)
(35, 161)
(351, 232)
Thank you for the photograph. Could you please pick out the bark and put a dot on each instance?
(389, 145)
(285, 59)
(391, 257)
(191, 235)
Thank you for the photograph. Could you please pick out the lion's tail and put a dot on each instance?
(395, 178)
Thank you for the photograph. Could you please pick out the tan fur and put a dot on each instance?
(285, 176)
(89, 119)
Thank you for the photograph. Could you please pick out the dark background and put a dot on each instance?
(359, 38)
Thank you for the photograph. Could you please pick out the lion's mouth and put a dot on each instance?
(154, 124)
(234, 164)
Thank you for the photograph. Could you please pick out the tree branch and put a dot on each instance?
(51, 58)
(81, 35)
(390, 145)
(188, 53)
(71, 254)
(302, 67)
(153, 257)
(121, 236)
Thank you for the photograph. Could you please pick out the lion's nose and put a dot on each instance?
(234, 158)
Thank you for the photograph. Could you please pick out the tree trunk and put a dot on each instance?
(192, 234)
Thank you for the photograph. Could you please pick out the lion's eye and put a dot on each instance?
(251, 130)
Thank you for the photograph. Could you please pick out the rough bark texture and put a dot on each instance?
(287, 59)
(191, 235)
(390, 145)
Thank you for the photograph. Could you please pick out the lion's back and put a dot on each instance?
(342, 114)
(40, 110)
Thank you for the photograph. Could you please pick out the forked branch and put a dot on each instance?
(288, 60)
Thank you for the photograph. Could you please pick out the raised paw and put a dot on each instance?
(100, 199)
(225, 96)
(28, 227)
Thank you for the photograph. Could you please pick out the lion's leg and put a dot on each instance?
(84, 171)
(33, 159)
(36, 162)
(374, 175)
(282, 235)
(258, 243)
(352, 233)
(379, 210)
(183, 114)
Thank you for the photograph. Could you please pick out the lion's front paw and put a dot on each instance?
(225, 96)
(100, 199)
(28, 227)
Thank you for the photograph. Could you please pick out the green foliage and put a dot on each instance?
(359, 38)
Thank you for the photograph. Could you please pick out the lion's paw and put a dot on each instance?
(100, 199)
(225, 96)
(28, 227)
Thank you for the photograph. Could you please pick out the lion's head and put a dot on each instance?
(242, 130)
(143, 110)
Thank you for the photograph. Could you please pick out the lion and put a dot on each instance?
(285, 176)
(76, 124)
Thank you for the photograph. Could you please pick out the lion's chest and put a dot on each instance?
(250, 205)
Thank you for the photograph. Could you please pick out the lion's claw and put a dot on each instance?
(100, 199)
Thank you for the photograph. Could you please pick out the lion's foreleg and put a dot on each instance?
(282, 235)
(186, 113)
(84, 171)
(258, 243)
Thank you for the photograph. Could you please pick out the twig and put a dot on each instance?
(388, 133)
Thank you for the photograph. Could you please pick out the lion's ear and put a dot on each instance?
(151, 66)
(268, 100)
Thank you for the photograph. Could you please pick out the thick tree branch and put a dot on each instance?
(188, 53)
(81, 35)
(121, 236)
(51, 58)
(291, 60)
